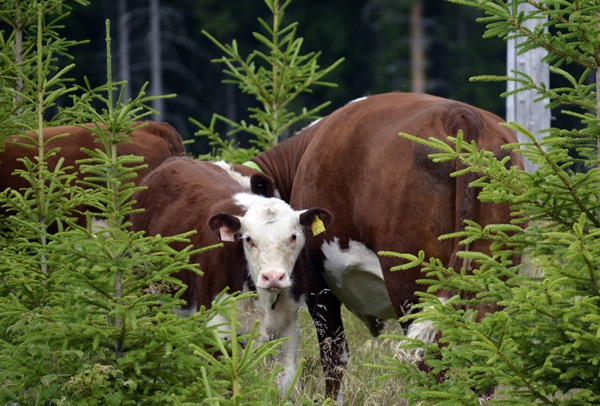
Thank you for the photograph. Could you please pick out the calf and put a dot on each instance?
(262, 239)
(385, 194)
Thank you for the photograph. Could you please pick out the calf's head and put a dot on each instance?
(272, 233)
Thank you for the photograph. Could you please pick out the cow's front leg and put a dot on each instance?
(280, 320)
(325, 310)
(288, 356)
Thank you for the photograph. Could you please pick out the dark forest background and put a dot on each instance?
(373, 36)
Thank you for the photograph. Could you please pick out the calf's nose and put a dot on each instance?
(274, 280)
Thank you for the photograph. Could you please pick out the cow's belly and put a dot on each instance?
(354, 276)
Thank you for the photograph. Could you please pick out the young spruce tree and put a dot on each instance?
(544, 346)
(276, 78)
(83, 318)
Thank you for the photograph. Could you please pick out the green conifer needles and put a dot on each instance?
(275, 78)
(543, 347)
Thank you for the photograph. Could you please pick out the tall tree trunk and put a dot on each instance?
(156, 87)
(124, 68)
(19, 28)
(598, 103)
(417, 45)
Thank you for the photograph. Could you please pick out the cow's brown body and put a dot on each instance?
(385, 194)
(155, 142)
(182, 195)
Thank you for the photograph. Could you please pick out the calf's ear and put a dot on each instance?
(262, 185)
(225, 226)
(315, 220)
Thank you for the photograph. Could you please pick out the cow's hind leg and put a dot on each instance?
(325, 310)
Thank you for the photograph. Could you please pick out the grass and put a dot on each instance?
(363, 385)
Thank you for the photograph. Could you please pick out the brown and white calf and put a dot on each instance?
(385, 194)
(262, 235)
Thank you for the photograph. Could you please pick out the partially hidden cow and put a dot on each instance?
(154, 141)
(385, 194)
(262, 237)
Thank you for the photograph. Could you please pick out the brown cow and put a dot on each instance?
(385, 194)
(154, 141)
(263, 237)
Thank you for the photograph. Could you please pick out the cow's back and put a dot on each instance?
(383, 190)
(18, 147)
(153, 141)
(181, 185)
(156, 142)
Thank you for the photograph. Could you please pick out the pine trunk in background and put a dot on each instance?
(19, 28)
(156, 87)
(124, 72)
(417, 45)
(521, 107)
(597, 78)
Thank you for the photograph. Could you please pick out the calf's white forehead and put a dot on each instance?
(269, 215)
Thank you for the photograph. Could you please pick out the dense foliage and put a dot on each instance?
(544, 347)
(86, 311)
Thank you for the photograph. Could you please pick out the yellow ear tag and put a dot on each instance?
(317, 226)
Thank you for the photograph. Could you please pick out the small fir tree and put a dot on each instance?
(20, 56)
(544, 346)
(276, 78)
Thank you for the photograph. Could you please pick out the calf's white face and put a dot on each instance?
(272, 233)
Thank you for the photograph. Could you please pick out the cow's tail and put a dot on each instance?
(466, 207)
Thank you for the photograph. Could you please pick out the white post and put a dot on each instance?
(521, 107)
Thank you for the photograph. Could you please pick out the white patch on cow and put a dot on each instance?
(357, 100)
(355, 277)
(278, 319)
(313, 122)
(244, 181)
(99, 227)
(247, 313)
(421, 330)
(340, 396)
(185, 312)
